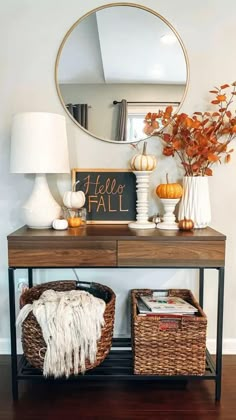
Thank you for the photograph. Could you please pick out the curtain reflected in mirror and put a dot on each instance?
(80, 113)
(122, 121)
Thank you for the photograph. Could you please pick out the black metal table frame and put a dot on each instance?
(112, 368)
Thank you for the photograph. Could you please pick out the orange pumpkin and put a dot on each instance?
(186, 224)
(74, 221)
(168, 190)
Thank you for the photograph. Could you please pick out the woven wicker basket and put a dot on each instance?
(174, 346)
(34, 346)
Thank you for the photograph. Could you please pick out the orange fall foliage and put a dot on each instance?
(201, 140)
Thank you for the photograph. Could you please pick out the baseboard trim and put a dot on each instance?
(229, 346)
(5, 347)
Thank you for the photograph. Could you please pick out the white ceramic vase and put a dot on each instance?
(195, 202)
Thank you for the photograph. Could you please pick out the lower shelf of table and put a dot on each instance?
(118, 365)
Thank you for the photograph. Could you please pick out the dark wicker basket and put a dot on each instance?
(168, 347)
(34, 346)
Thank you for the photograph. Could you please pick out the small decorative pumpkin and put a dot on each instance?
(74, 199)
(142, 161)
(74, 221)
(60, 224)
(169, 190)
(156, 218)
(186, 224)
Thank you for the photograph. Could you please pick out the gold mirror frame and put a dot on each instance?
(94, 11)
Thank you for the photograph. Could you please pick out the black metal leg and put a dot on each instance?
(30, 277)
(201, 286)
(13, 333)
(219, 332)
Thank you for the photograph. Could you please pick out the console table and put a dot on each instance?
(117, 246)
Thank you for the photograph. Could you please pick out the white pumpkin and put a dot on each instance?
(74, 199)
(142, 161)
(60, 224)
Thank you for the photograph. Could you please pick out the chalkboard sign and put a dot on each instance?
(110, 194)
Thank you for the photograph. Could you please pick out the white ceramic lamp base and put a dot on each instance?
(169, 222)
(142, 183)
(40, 209)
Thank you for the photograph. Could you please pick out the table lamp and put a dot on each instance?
(39, 146)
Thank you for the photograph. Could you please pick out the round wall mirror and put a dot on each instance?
(116, 64)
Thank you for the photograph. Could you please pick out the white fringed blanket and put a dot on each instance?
(71, 324)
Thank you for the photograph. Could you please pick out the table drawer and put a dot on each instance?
(171, 254)
(66, 254)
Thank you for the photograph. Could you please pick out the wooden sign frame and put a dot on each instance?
(110, 194)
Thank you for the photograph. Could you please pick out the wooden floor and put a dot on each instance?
(119, 401)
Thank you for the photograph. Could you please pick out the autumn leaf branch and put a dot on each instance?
(199, 141)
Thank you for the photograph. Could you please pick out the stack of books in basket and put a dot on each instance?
(155, 304)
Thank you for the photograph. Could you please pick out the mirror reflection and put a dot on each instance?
(116, 64)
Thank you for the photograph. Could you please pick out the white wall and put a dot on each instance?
(31, 33)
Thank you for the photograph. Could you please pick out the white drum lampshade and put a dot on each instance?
(39, 146)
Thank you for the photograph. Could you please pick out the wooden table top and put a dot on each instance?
(114, 232)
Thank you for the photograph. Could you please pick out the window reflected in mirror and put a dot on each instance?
(136, 115)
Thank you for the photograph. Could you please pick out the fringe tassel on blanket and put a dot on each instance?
(71, 324)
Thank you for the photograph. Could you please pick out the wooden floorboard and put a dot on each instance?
(119, 400)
